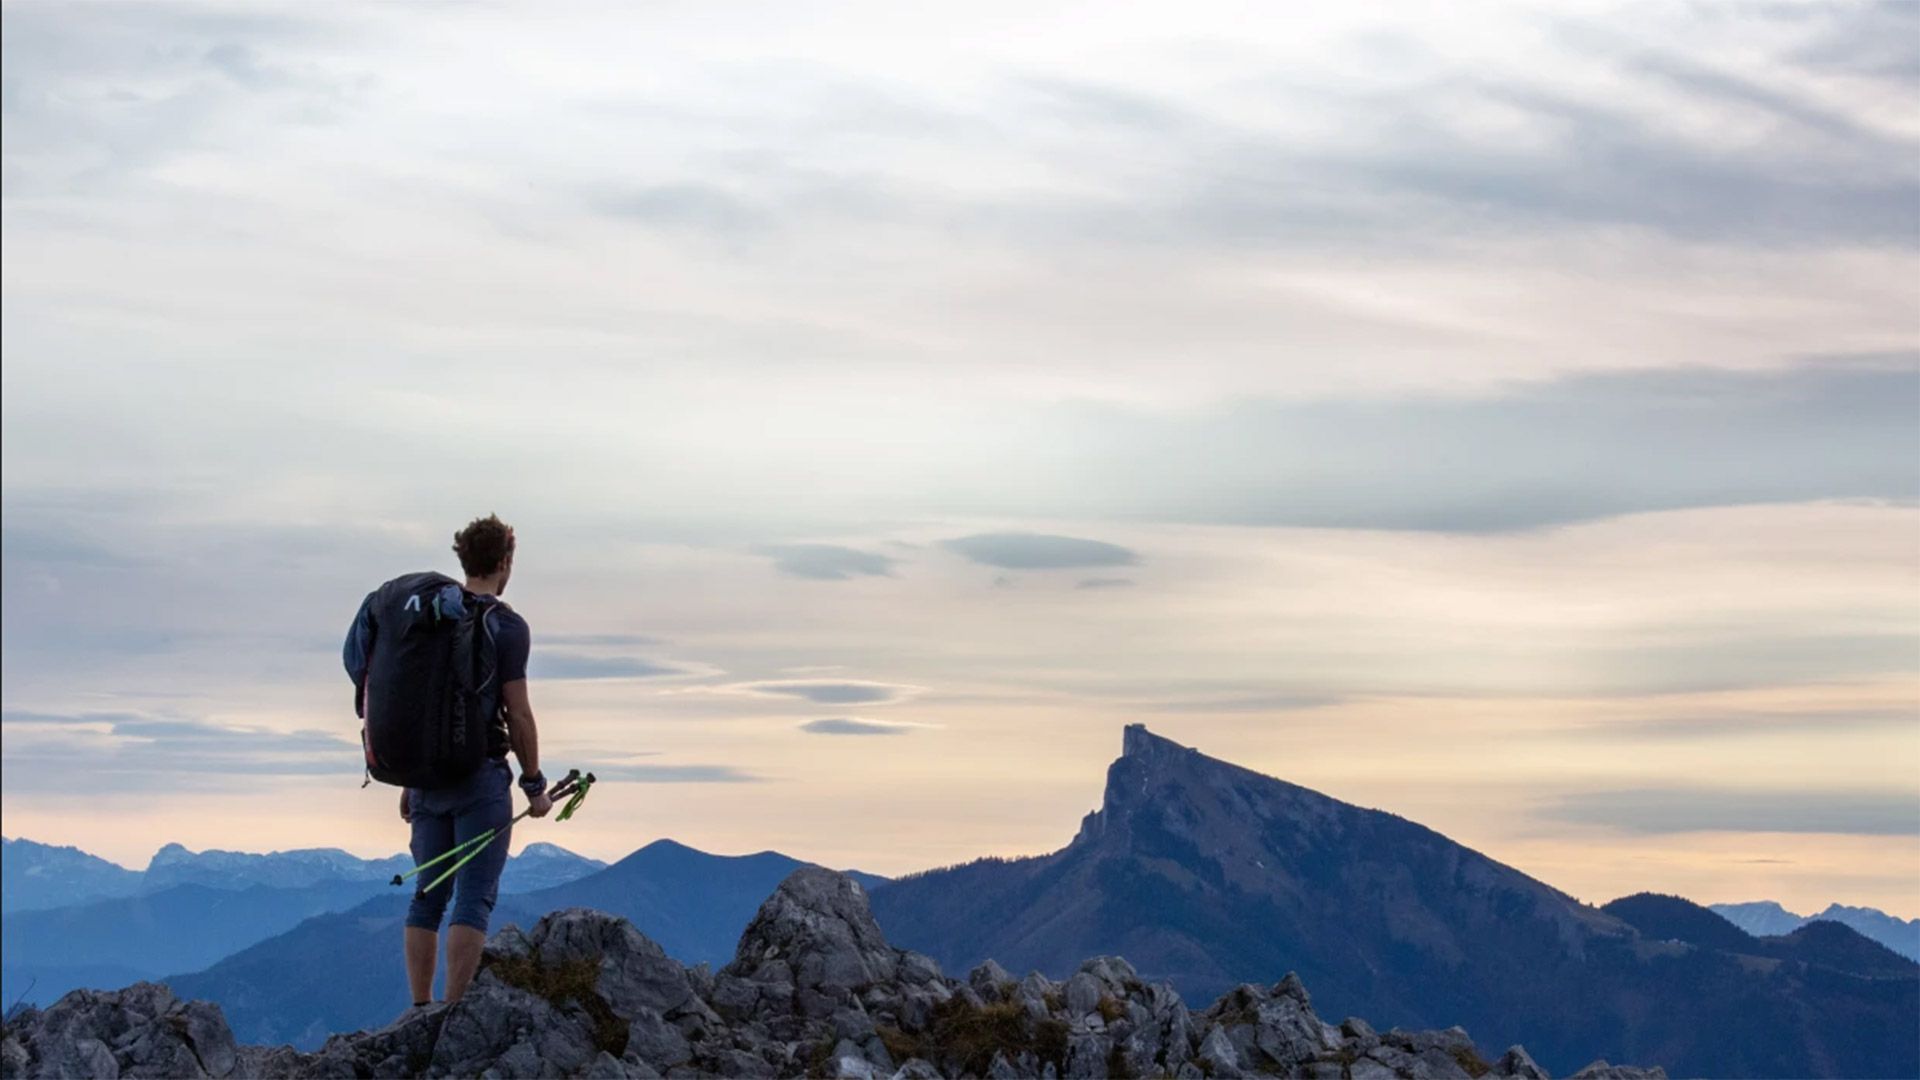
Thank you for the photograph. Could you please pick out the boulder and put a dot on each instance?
(141, 1031)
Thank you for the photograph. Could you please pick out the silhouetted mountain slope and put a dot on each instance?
(1673, 918)
(1211, 875)
(35, 876)
(181, 927)
(351, 975)
(1900, 935)
(1842, 948)
(689, 901)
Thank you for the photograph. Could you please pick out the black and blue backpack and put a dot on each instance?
(424, 676)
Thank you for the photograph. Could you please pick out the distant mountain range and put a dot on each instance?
(1766, 917)
(37, 877)
(1212, 875)
(189, 910)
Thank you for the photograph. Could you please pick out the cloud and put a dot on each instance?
(830, 692)
(641, 773)
(1546, 452)
(1654, 811)
(827, 562)
(1037, 551)
(849, 725)
(547, 664)
(53, 751)
(1104, 583)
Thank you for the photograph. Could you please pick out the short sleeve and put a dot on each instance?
(512, 641)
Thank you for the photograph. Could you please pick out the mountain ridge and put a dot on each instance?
(1211, 874)
(1767, 917)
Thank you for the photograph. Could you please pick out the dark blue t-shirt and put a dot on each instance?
(511, 643)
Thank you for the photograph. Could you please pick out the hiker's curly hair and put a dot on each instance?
(483, 545)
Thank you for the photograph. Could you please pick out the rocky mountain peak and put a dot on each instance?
(168, 854)
(816, 930)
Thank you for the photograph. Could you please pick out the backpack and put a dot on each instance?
(428, 667)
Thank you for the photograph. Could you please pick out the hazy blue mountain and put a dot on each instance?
(105, 944)
(175, 865)
(351, 976)
(183, 928)
(1210, 874)
(1765, 917)
(1762, 918)
(693, 903)
(542, 866)
(34, 876)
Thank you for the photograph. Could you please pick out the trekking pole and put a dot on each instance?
(573, 788)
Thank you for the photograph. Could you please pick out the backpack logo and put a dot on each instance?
(413, 604)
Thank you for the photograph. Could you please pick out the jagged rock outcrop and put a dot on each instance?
(814, 990)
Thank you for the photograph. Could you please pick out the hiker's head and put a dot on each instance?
(485, 548)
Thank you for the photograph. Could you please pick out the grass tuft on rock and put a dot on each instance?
(967, 1037)
(1471, 1061)
(575, 981)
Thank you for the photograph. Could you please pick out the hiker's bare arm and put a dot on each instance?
(523, 735)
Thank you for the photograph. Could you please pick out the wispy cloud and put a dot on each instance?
(828, 691)
(549, 664)
(646, 773)
(1038, 551)
(827, 562)
(852, 725)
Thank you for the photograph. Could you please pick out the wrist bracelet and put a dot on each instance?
(533, 785)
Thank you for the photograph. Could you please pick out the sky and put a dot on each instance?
(1503, 415)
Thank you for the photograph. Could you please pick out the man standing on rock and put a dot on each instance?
(440, 677)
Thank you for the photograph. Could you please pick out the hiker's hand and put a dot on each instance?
(538, 805)
(406, 806)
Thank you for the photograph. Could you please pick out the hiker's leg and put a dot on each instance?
(464, 944)
(421, 947)
(433, 832)
(477, 884)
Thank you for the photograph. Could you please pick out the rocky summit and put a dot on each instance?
(815, 989)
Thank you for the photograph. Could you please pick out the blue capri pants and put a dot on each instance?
(443, 817)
